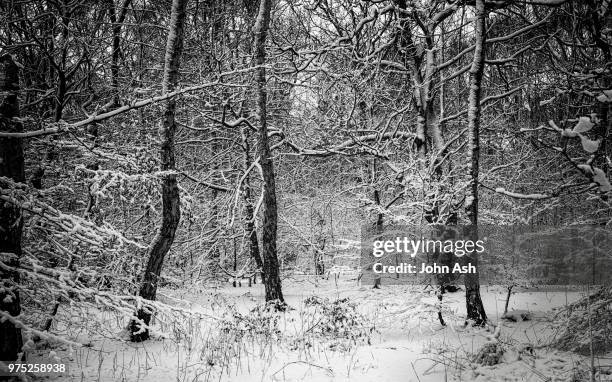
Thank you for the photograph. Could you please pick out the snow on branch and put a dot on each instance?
(482, 103)
(77, 227)
(492, 41)
(63, 126)
(516, 195)
(353, 143)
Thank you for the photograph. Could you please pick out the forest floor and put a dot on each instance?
(388, 334)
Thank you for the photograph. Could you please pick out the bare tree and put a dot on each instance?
(475, 309)
(11, 222)
(270, 214)
(117, 15)
(171, 212)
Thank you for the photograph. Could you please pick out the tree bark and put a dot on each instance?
(428, 131)
(171, 212)
(11, 223)
(413, 61)
(272, 280)
(62, 77)
(379, 218)
(117, 16)
(215, 239)
(475, 308)
(249, 219)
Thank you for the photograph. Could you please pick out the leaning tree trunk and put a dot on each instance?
(11, 223)
(475, 309)
(171, 212)
(272, 280)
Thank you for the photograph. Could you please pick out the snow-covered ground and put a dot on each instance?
(230, 343)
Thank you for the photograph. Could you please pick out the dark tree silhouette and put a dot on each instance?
(11, 222)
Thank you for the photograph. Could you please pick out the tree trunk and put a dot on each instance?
(272, 280)
(249, 219)
(117, 16)
(413, 62)
(427, 130)
(508, 295)
(379, 218)
(60, 96)
(216, 241)
(11, 223)
(475, 309)
(171, 212)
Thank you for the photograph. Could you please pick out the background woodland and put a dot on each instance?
(150, 143)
